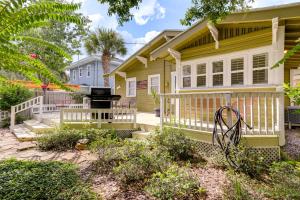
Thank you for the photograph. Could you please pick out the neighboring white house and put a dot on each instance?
(88, 72)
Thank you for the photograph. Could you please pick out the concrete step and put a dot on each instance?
(23, 134)
(36, 126)
(141, 135)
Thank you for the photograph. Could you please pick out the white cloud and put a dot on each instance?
(99, 20)
(137, 43)
(77, 1)
(148, 10)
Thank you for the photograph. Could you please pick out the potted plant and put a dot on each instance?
(156, 102)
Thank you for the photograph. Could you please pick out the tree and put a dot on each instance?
(65, 35)
(121, 8)
(108, 43)
(17, 16)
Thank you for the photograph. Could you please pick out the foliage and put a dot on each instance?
(41, 180)
(174, 183)
(12, 94)
(217, 160)
(285, 180)
(213, 10)
(108, 43)
(65, 139)
(155, 97)
(67, 36)
(78, 97)
(19, 16)
(121, 8)
(293, 93)
(175, 143)
(249, 162)
(18, 120)
(288, 54)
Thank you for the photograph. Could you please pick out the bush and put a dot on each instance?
(41, 180)
(174, 183)
(12, 94)
(175, 142)
(19, 120)
(66, 139)
(285, 180)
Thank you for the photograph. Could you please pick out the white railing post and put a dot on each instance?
(229, 114)
(41, 107)
(281, 119)
(134, 118)
(12, 117)
(162, 105)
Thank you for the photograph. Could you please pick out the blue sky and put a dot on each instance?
(153, 17)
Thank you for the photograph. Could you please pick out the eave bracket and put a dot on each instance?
(215, 33)
(143, 60)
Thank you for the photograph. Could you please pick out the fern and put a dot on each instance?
(16, 16)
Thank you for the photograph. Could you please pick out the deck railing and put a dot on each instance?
(263, 111)
(98, 116)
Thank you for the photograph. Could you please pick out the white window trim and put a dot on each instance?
(218, 73)
(238, 71)
(88, 71)
(261, 68)
(205, 75)
(186, 76)
(127, 86)
(149, 82)
(80, 72)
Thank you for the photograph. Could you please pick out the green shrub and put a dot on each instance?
(41, 180)
(285, 180)
(217, 160)
(66, 139)
(12, 94)
(236, 190)
(19, 120)
(175, 142)
(174, 183)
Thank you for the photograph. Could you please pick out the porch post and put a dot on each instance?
(162, 105)
(12, 117)
(280, 114)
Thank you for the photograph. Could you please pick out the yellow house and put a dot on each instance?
(211, 65)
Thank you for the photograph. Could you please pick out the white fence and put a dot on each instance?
(98, 116)
(30, 104)
(59, 98)
(264, 111)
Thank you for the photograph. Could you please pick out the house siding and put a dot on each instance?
(144, 101)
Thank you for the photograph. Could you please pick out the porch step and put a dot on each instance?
(36, 126)
(141, 135)
(23, 134)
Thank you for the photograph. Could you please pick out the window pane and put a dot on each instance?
(154, 81)
(260, 61)
(237, 78)
(237, 64)
(260, 76)
(217, 67)
(155, 88)
(186, 70)
(217, 79)
(201, 69)
(201, 81)
(187, 82)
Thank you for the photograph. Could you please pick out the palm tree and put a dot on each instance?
(18, 16)
(108, 43)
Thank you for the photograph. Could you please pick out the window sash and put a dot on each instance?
(131, 87)
(201, 80)
(154, 83)
(80, 72)
(260, 68)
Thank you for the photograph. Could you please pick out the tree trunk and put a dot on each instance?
(106, 68)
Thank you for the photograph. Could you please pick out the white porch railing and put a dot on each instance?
(264, 111)
(3, 115)
(37, 101)
(98, 116)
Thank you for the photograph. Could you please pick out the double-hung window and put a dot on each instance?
(74, 74)
(80, 72)
(217, 73)
(237, 71)
(154, 83)
(201, 75)
(88, 70)
(186, 76)
(131, 87)
(260, 68)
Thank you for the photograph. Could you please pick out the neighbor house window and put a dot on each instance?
(186, 76)
(260, 68)
(217, 73)
(74, 74)
(88, 69)
(237, 71)
(154, 83)
(131, 87)
(201, 75)
(80, 72)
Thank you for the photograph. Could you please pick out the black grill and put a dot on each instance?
(102, 98)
